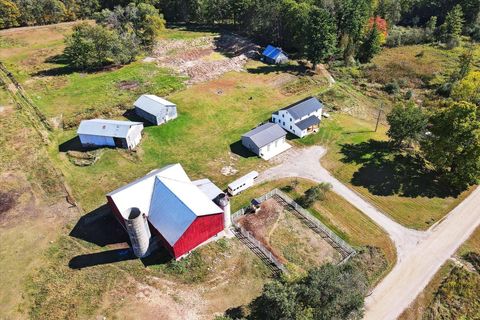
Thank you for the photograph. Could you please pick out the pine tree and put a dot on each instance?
(371, 46)
(451, 29)
(320, 36)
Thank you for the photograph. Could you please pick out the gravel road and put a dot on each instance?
(420, 254)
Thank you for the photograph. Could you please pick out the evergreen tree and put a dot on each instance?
(320, 36)
(451, 29)
(430, 28)
(371, 46)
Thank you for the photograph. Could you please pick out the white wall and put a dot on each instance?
(286, 121)
(134, 136)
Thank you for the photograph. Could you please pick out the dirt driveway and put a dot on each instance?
(420, 253)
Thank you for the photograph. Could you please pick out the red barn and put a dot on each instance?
(179, 213)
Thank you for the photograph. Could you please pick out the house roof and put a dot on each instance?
(308, 122)
(169, 199)
(265, 134)
(106, 128)
(303, 107)
(153, 104)
(272, 52)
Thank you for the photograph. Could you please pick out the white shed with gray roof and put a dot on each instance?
(110, 133)
(267, 140)
(301, 118)
(154, 109)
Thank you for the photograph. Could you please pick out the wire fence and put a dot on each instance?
(342, 246)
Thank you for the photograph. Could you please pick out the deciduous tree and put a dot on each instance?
(454, 144)
(407, 124)
(9, 14)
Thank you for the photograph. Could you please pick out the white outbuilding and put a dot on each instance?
(154, 109)
(110, 133)
(267, 140)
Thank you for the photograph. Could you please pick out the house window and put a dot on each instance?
(290, 127)
(283, 116)
(283, 122)
(291, 119)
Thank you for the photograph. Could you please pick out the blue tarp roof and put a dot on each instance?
(272, 52)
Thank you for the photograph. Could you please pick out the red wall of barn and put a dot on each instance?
(202, 229)
(115, 211)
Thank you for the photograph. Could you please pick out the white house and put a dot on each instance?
(301, 118)
(110, 133)
(267, 140)
(155, 109)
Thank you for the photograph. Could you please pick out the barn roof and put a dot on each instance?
(169, 198)
(272, 52)
(308, 122)
(303, 107)
(153, 104)
(265, 134)
(106, 128)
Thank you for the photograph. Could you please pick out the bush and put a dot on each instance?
(400, 36)
(91, 47)
(315, 193)
(392, 87)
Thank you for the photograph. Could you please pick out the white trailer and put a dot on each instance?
(242, 183)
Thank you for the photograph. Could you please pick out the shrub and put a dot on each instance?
(392, 87)
(400, 36)
(315, 193)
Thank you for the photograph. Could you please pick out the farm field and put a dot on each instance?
(288, 238)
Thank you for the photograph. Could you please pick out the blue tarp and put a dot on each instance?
(272, 52)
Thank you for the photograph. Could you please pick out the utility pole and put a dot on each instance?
(378, 117)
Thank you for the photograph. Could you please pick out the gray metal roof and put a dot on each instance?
(265, 134)
(303, 107)
(153, 104)
(208, 187)
(106, 128)
(308, 122)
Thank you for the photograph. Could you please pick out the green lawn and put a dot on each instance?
(396, 184)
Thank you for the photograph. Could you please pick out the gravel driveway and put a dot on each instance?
(420, 254)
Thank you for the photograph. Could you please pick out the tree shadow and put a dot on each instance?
(386, 171)
(238, 149)
(297, 70)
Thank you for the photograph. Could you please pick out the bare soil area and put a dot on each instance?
(235, 277)
(288, 238)
(205, 58)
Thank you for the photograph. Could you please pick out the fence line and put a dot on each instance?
(344, 246)
(260, 247)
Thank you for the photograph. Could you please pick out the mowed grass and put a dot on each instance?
(384, 183)
(336, 213)
(212, 118)
(76, 93)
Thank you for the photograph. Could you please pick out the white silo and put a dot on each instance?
(138, 231)
(223, 202)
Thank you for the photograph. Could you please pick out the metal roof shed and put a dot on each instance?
(155, 109)
(110, 133)
(275, 55)
(267, 140)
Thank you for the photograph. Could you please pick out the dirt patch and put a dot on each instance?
(7, 200)
(288, 238)
(128, 85)
(84, 159)
(204, 58)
